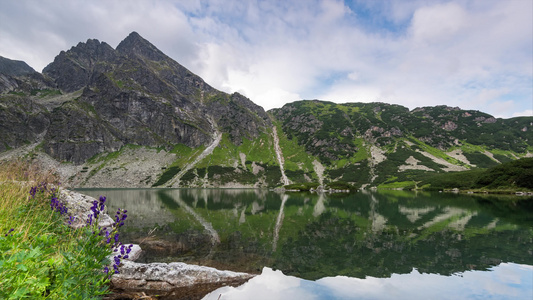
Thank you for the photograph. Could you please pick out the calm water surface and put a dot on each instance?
(373, 245)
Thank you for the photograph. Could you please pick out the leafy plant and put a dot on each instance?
(41, 257)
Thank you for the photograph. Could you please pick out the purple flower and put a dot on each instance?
(33, 191)
(106, 270)
(94, 209)
(102, 203)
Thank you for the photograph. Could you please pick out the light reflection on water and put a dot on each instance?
(383, 242)
(506, 281)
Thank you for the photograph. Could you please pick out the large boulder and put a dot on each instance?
(171, 281)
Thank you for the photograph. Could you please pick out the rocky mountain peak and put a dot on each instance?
(14, 67)
(15, 74)
(72, 70)
(135, 45)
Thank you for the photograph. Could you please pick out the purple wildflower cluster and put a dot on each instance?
(120, 217)
(124, 254)
(57, 205)
(40, 188)
(97, 208)
(10, 230)
(110, 235)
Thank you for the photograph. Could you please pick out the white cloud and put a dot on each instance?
(438, 23)
(472, 54)
(525, 113)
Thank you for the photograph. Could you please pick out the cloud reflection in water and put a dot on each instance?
(506, 281)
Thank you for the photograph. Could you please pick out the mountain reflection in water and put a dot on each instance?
(313, 236)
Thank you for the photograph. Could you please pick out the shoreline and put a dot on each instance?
(164, 280)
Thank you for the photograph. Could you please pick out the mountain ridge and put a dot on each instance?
(132, 116)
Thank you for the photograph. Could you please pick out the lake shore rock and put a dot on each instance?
(171, 281)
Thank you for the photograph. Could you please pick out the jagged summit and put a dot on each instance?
(135, 63)
(72, 70)
(135, 44)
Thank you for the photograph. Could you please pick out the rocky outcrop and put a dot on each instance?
(72, 70)
(171, 281)
(17, 75)
(22, 122)
(79, 208)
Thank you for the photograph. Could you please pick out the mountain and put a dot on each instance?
(381, 143)
(134, 117)
(14, 67)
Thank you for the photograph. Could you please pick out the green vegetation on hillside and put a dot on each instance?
(512, 176)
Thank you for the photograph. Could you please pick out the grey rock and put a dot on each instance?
(79, 207)
(72, 70)
(172, 280)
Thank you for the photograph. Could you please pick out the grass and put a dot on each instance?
(295, 156)
(436, 152)
(397, 185)
(167, 175)
(41, 257)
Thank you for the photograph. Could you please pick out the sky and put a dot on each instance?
(505, 281)
(474, 54)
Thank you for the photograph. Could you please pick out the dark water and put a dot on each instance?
(312, 236)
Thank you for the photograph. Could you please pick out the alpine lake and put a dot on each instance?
(362, 245)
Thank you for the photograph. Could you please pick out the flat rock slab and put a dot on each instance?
(171, 281)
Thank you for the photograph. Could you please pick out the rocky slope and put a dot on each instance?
(133, 117)
(378, 142)
(94, 99)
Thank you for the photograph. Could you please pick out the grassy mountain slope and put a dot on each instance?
(389, 146)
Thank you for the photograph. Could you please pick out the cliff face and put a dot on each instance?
(132, 95)
(133, 117)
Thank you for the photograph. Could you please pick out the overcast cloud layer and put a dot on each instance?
(472, 54)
